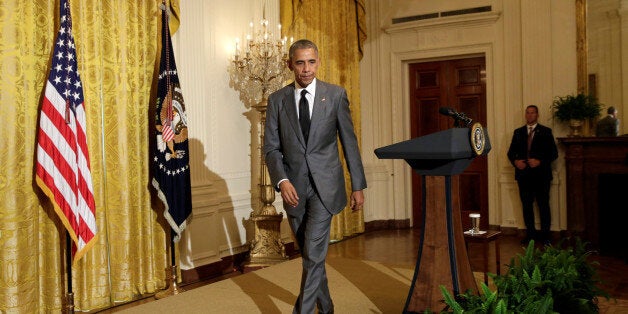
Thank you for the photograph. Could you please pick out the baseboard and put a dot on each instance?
(386, 224)
(226, 265)
(506, 230)
(555, 235)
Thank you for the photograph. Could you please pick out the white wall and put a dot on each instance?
(223, 189)
(530, 54)
(607, 38)
(530, 58)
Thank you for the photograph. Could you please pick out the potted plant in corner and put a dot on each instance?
(555, 279)
(575, 110)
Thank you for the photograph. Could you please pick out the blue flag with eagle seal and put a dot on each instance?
(171, 163)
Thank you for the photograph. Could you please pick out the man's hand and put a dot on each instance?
(533, 162)
(520, 164)
(289, 193)
(357, 200)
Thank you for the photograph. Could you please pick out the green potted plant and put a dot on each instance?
(548, 280)
(575, 110)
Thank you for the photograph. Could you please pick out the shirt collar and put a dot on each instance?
(311, 88)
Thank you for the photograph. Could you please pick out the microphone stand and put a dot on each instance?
(459, 117)
(458, 120)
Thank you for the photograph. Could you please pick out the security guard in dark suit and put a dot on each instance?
(531, 152)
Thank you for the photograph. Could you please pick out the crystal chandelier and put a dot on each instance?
(259, 67)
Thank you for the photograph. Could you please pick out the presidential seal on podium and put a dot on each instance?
(477, 138)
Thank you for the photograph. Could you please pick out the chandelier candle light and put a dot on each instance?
(261, 69)
(256, 72)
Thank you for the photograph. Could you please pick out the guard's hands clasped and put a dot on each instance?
(520, 164)
(533, 162)
(524, 163)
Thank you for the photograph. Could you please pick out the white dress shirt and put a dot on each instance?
(311, 92)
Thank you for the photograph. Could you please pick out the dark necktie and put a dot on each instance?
(530, 136)
(304, 115)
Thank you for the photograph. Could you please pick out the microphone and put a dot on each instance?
(459, 117)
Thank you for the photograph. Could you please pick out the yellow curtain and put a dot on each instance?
(117, 46)
(338, 29)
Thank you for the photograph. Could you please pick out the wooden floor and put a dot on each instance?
(401, 247)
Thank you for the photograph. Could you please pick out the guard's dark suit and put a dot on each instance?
(534, 183)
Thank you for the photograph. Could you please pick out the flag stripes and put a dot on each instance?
(63, 167)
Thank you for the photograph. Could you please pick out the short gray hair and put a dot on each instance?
(611, 110)
(302, 44)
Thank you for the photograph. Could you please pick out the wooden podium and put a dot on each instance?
(442, 258)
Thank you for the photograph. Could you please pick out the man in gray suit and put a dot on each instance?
(609, 125)
(304, 121)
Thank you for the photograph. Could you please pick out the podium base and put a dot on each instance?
(442, 257)
(173, 288)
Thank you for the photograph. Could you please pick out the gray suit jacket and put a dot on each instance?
(289, 157)
(608, 126)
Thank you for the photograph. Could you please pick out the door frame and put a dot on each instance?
(448, 92)
(400, 111)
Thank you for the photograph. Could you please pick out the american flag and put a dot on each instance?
(171, 163)
(63, 169)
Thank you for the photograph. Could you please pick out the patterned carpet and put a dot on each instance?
(356, 286)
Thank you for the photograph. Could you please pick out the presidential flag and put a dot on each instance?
(62, 168)
(171, 169)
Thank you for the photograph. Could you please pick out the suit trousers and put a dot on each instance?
(529, 191)
(312, 234)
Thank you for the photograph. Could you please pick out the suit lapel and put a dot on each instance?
(291, 110)
(319, 108)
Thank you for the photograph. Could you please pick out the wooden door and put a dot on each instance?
(459, 84)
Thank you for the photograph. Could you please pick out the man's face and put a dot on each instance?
(532, 115)
(304, 64)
